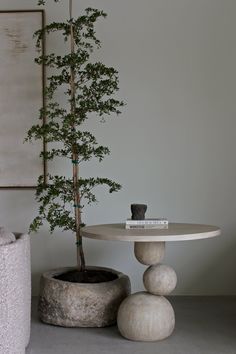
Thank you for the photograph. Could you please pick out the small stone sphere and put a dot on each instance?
(160, 279)
(149, 252)
(145, 317)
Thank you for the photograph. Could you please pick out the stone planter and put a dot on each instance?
(67, 304)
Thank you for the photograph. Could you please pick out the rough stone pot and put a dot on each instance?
(69, 304)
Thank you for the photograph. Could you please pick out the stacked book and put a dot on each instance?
(156, 223)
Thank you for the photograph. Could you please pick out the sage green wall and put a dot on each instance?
(174, 146)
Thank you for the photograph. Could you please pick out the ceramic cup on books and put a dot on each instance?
(138, 211)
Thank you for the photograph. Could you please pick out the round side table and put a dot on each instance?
(148, 315)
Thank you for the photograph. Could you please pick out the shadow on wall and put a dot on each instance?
(218, 270)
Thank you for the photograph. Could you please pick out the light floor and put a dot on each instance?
(204, 325)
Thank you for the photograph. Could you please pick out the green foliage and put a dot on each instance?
(42, 2)
(95, 85)
(56, 200)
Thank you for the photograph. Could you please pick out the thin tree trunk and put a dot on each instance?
(75, 157)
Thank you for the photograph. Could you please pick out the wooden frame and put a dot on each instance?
(20, 46)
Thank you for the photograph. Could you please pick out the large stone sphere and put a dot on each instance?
(145, 317)
(160, 279)
(149, 252)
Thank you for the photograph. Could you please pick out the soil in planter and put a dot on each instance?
(88, 276)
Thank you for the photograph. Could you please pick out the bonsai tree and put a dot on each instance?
(89, 88)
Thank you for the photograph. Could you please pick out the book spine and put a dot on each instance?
(156, 226)
(147, 222)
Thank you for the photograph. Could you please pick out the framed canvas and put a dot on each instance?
(21, 97)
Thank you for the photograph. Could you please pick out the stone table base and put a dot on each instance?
(149, 316)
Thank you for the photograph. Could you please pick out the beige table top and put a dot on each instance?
(175, 232)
